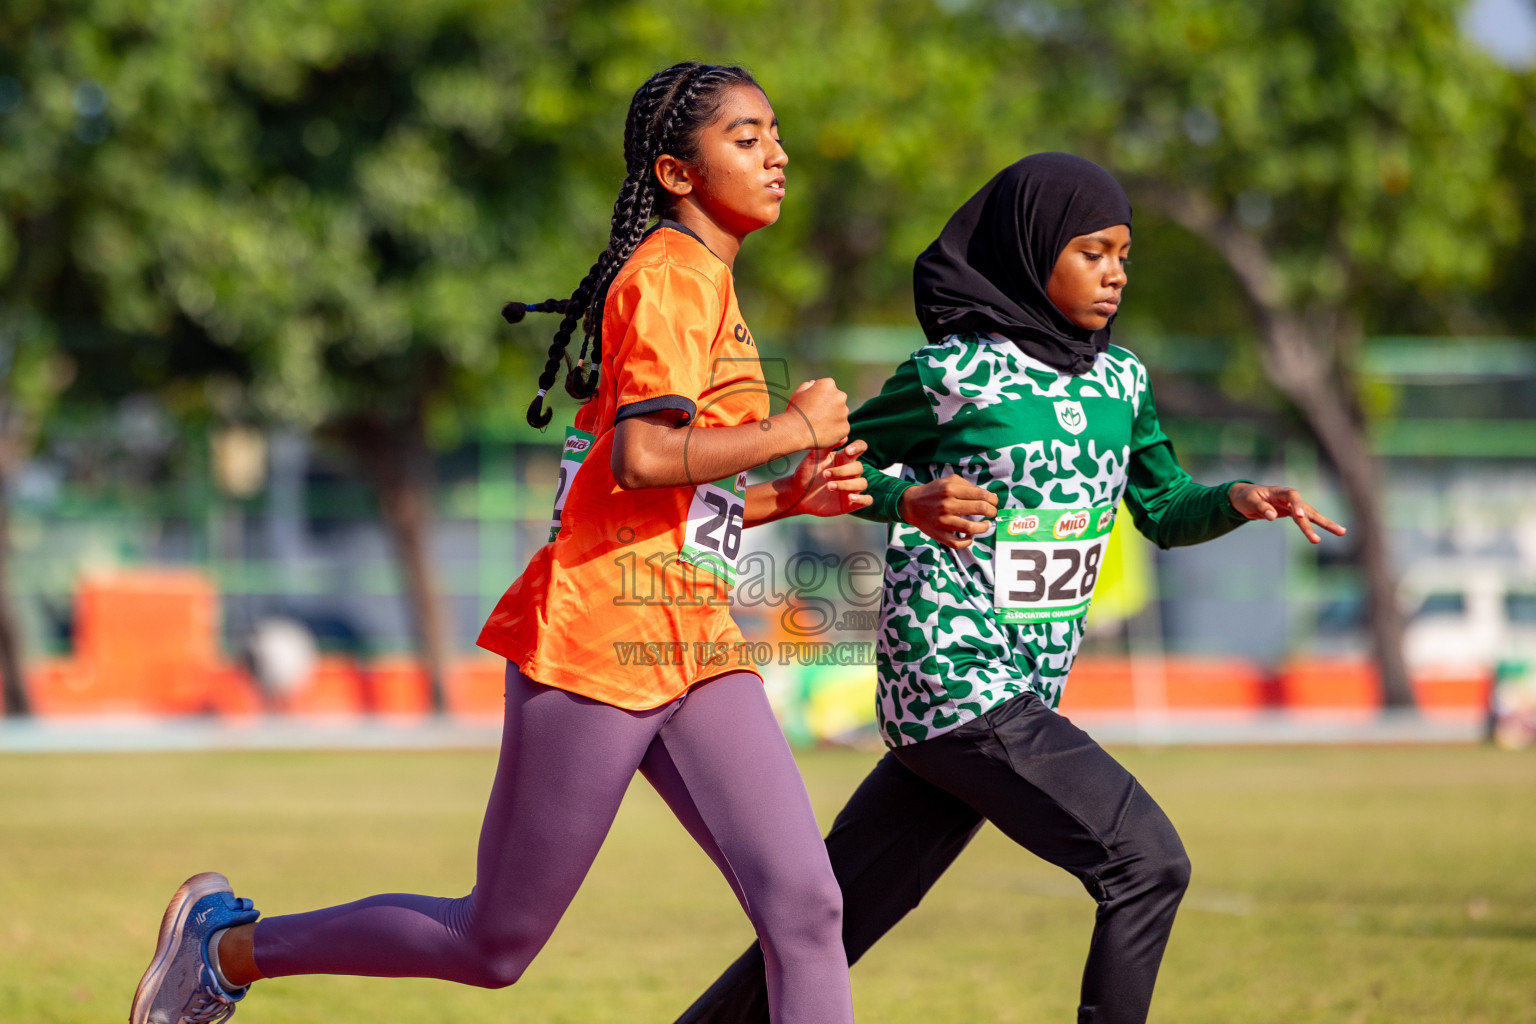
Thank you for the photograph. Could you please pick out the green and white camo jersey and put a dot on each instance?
(979, 407)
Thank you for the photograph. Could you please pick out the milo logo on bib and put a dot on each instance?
(1022, 525)
(1046, 562)
(1070, 525)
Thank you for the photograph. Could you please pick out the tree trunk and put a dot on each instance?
(1299, 370)
(397, 461)
(1300, 359)
(16, 703)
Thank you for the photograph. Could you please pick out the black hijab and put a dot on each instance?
(987, 269)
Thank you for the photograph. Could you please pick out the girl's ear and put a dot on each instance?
(675, 176)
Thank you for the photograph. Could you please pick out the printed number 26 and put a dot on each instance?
(727, 513)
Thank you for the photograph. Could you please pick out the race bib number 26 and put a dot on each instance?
(712, 541)
(1046, 562)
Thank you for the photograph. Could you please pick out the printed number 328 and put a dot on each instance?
(1071, 581)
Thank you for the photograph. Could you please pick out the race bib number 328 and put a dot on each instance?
(1046, 562)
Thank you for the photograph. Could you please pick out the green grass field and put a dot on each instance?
(1331, 885)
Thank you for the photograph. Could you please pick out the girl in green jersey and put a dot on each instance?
(1019, 429)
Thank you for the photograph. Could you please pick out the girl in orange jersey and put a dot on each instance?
(618, 635)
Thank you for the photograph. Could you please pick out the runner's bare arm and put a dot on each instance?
(653, 451)
(826, 483)
(939, 508)
(1268, 501)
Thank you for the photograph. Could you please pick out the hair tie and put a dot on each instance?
(542, 392)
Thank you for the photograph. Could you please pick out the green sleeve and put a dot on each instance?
(1168, 507)
(898, 425)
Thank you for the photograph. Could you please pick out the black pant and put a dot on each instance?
(1050, 788)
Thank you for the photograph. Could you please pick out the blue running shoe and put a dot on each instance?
(180, 986)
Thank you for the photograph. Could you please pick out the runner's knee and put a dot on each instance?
(1156, 853)
(1173, 873)
(1165, 863)
(808, 908)
(497, 957)
(495, 968)
(498, 973)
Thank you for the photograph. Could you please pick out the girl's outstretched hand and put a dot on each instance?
(830, 482)
(939, 508)
(1265, 501)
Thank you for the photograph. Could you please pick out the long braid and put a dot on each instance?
(513, 312)
(665, 116)
(643, 145)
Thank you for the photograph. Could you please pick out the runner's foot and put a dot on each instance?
(180, 986)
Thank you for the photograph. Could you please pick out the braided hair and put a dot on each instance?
(666, 116)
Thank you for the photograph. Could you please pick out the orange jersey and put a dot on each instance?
(620, 607)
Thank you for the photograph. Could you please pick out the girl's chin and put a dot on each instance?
(757, 223)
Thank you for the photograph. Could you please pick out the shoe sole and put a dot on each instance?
(171, 926)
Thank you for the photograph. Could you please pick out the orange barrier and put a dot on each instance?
(477, 687)
(1441, 692)
(62, 688)
(1183, 683)
(1099, 684)
(1354, 685)
(147, 643)
(1330, 684)
(397, 685)
(231, 691)
(339, 686)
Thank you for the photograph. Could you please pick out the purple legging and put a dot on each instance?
(718, 758)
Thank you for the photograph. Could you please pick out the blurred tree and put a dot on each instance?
(1512, 294)
(334, 196)
(1330, 153)
(33, 215)
(31, 375)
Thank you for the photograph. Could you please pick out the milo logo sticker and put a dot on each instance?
(1072, 525)
(577, 444)
(1023, 525)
